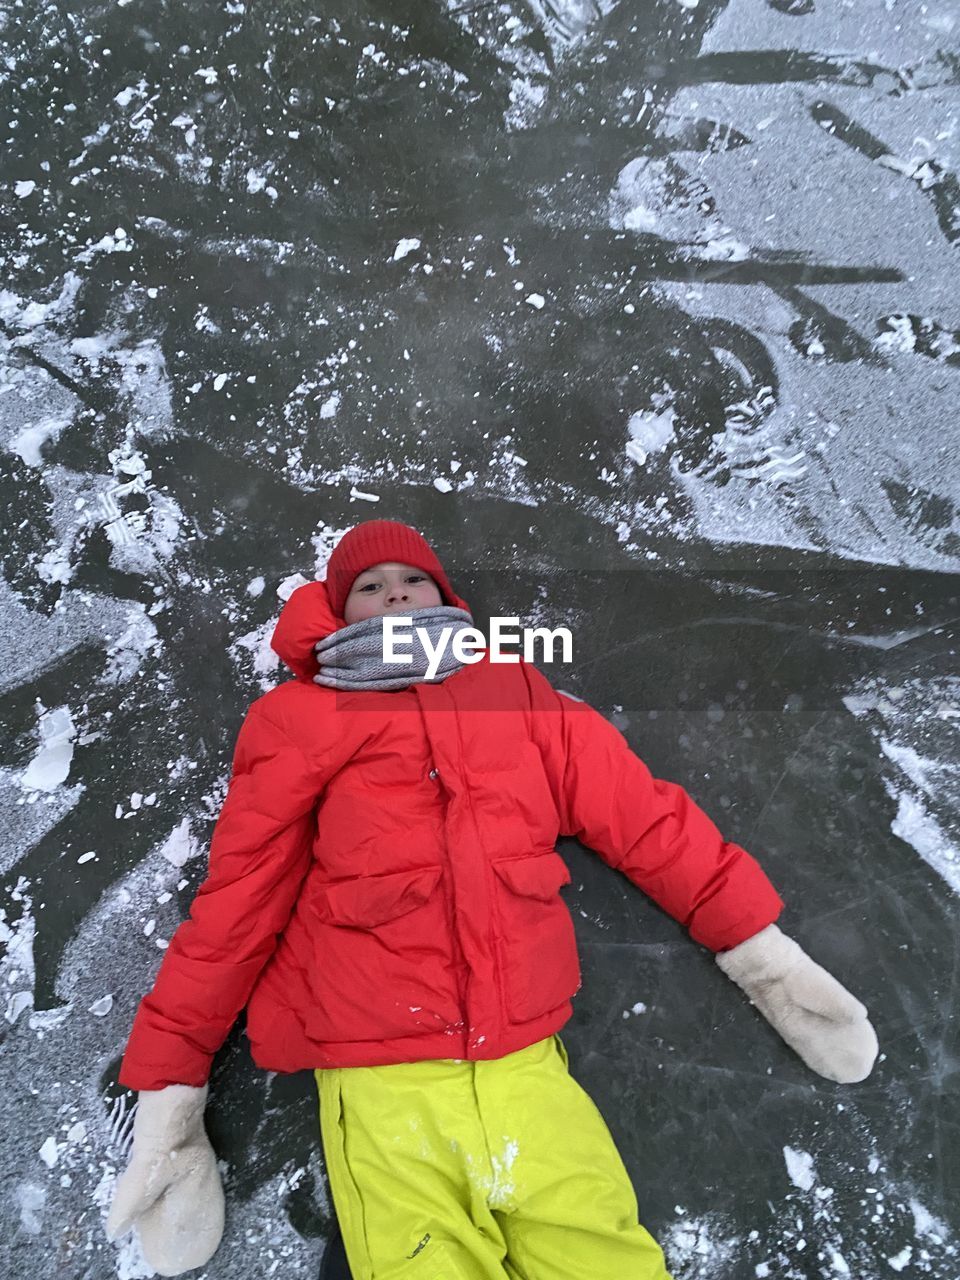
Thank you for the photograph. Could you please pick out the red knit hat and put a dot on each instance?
(372, 542)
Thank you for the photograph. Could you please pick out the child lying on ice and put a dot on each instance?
(383, 897)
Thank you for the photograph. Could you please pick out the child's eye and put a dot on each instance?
(368, 584)
(416, 577)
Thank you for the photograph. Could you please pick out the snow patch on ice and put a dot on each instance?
(697, 1248)
(17, 969)
(915, 727)
(256, 645)
(916, 827)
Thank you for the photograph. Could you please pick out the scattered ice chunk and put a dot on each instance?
(49, 1153)
(925, 1224)
(441, 483)
(800, 1168)
(23, 189)
(536, 300)
(31, 437)
(180, 846)
(19, 1001)
(404, 247)
(32, 1200)
(649, 431)
(50, 766)
(330, 405)
(900, 1260)
(219, 381)
(100, 1008)
(257, 182)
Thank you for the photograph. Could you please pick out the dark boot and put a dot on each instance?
(334, 1265)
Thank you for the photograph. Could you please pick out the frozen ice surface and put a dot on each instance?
(648, 316)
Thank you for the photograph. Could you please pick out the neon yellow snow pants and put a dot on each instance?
(455, 1170)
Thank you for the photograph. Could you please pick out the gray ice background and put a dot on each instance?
(648, 314)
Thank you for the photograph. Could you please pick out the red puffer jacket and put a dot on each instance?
(383, 884)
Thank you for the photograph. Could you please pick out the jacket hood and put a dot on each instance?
(306, 618)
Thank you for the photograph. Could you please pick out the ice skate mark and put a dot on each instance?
(819, 334)
(937, 182)
(903, 333)
(775, 66)
(681, 264)
(773, 464)
(567, 21)
(677, 214)
(529, 157)
(928, 516)
(700, 134)
(29, 534)
(661, 198)
(716, 414)
(780, 464)
(41, 362)
(746, 416)
(745, 378)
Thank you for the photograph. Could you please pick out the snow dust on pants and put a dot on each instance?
(456, 1170)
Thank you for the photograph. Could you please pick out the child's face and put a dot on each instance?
(390, 587)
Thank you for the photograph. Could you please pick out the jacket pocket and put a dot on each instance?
(537, 945)
(371, 900)
(382, 965)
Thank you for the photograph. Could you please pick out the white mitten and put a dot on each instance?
(171, 1189)
(814, 1013)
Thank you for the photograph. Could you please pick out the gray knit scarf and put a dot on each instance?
(352, 658)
